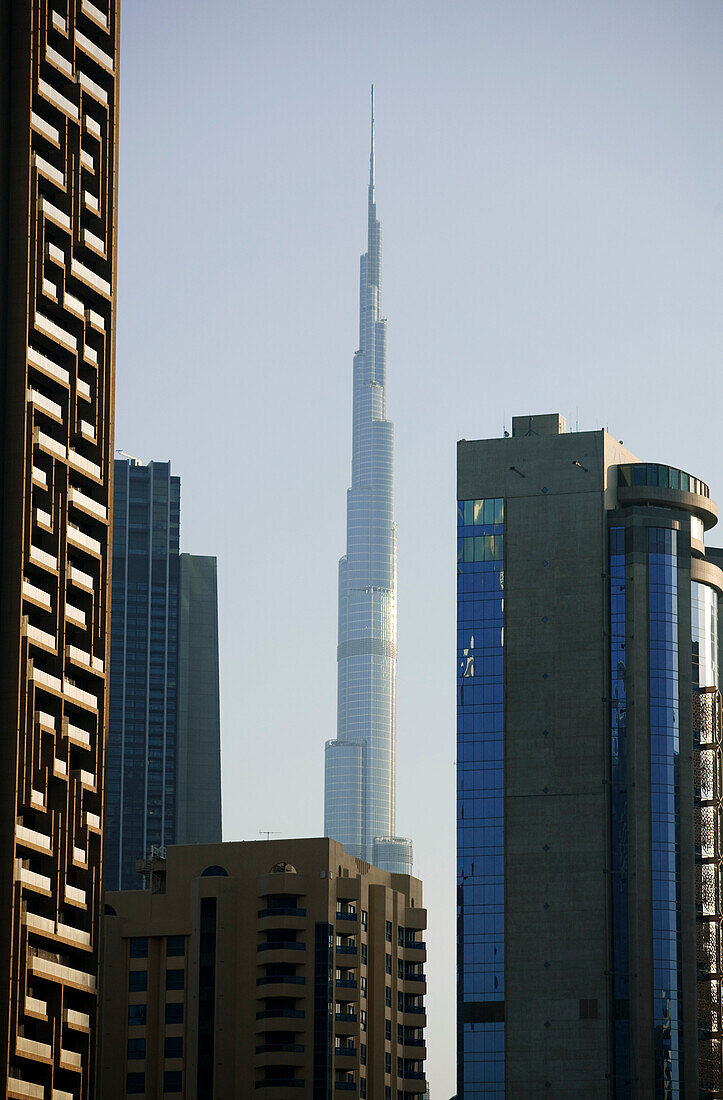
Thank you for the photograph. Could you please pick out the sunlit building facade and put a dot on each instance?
(359, 806)
(589, 772)
(58, 187)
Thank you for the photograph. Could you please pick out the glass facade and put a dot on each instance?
(704, 629)
(619, 817)
(141, 767)
(665, 809)
(480, 798)
(359, 799)
(655, 475)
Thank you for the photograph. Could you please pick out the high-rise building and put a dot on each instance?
(164, 769)
(359, 799)
(253, 969)
(58, 174)
(589, 772)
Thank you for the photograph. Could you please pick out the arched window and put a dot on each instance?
(214, 872)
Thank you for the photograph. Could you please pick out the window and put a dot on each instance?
(135, 1083)
(174, 1012)
(388, 964)
(588, 1009)
(400, 936)
(139, 947)
(400, 968)
(214, 872)
(363, 985)
(364, 919)
(173, 1080)
(388, 996)
(364, 954)
(388, 931)
(175, 979)
(362, 1086)
(137, 981)
(137, 1016)
(175, 945)
(136, 1049)
(173, 1046)
(362, 1054)
(400, 1002)
(400, 1067)
(387, 1062)
(388, 1030)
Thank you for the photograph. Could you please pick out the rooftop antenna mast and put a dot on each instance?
(268, 833)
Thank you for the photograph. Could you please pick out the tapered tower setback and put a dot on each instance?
(58, 142)
(359, 807)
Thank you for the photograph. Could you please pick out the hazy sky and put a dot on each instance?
(550, 186)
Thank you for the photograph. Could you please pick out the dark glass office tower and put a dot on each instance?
(360, 765)
(589, 772)
(163, 776)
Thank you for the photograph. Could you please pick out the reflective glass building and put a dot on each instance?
(359, 801)
(163, 781)
(589, 772)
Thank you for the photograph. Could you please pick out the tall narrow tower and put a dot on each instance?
(58, 176)
(359, 797)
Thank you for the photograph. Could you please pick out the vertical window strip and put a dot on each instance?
(619, 818)
(480, 797)
(665, 808)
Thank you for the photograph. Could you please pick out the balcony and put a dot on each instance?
(281, 979)
(414, 1085)
(273, 1086)
(345, 1086)
(345, 1051)
(281, 911)
(346, 991)
(281, 945)
(345, 1022)
(280, 1055)
(281, 1013)
(348, 915)
(280, 1048)
(346, 949)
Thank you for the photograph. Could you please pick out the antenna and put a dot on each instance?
(268, 833)
(371, 152)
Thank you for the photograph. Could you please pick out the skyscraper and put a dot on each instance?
(58, 170)
(589, 765)
(359, 800)
(164, 775)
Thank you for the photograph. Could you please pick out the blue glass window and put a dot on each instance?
(480, 796)
(665, 808)
(619, 816)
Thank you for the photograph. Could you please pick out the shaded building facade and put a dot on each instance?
(163, 775)
(257, 968)
(589, 759)
(360, 764)
(58, 176)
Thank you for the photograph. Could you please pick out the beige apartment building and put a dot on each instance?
(264, 969)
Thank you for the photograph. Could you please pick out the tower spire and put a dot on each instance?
(371, 155)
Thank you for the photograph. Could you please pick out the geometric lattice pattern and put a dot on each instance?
(707, 774)
(59, 374)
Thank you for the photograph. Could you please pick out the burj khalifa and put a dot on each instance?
(359, 797)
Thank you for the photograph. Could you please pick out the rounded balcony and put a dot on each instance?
(653, 483)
